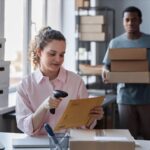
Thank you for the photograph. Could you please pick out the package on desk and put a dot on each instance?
(4, 96)
(107, 139)
(4, 73)
(2, 48)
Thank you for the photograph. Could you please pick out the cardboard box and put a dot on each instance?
(79, 3)
(4, 72)
(128, 54)
(85, 36)
(4, 96)
(86, 3)
(91, 28)
(108, 139)
(2, 48)
(128, 77)
(129, 65)
(99, 19)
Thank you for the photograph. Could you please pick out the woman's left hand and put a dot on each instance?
(96, 113)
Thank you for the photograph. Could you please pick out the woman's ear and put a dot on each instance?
(38, 51)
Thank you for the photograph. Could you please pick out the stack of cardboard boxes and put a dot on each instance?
(92, 28)
(4, 76)
(129, 65)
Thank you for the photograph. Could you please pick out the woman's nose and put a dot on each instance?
(57, 58)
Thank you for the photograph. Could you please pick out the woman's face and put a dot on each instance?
(52, 56)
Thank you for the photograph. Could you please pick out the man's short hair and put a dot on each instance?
(133, 9)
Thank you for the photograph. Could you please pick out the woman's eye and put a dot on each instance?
(51, 54)
(62, 55)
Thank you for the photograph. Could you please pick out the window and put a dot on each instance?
(36, 16)
(14, 22)
(14, 38)
(16, 28)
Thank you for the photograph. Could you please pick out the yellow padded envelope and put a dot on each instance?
(77, 111)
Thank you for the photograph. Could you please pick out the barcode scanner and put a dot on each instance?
(58, 94)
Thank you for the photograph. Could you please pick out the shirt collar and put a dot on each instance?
(61, 76)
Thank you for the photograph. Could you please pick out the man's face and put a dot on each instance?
(131, 22)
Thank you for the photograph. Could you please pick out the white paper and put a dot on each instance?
(29, 141)
(110, 138)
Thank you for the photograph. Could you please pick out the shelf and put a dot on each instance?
(90, 70)
(92, 29)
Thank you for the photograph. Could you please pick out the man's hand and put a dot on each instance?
(105, 75)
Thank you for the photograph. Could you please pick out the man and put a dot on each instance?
(133, 99)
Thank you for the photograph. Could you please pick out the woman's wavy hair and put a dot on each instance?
(44, 36)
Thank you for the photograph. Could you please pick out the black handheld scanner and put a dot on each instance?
(58, 94)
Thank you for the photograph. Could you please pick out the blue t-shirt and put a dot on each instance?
(130, 93)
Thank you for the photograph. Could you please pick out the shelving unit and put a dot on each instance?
(4, 75)
(95, 27)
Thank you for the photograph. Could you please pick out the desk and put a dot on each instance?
(6, 140)
(4, 110)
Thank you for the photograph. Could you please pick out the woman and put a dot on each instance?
(35, 93)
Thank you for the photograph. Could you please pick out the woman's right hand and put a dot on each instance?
(52, 102)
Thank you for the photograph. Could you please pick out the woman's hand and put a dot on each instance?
(37, 116)
(52, 102)
(96, 113)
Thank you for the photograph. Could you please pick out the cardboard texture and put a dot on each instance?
(86, 3)
(99, 19)
(90, 70)
(79, 3)
(128, 77)
(88, 36)
(82, 3)
(77, 111)
(129, 66)
(128, 54)
(91, 28)
(108, 139)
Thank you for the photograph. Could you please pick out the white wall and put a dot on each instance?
(61, 16)
(68, 27)
(54, 14)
